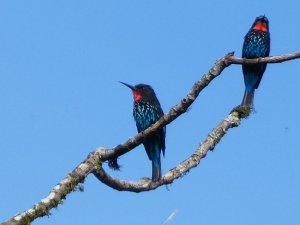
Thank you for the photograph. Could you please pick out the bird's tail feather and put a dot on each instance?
(248, 98)
(156, 169)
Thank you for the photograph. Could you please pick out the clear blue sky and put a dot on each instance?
(60, 63)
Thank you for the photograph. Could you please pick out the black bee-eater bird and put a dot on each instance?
(256, 44)
(146, 111)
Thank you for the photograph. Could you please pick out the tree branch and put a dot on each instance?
(182, 107)
(270, 59)
(175, 111)
(145, 184)
(93, 163)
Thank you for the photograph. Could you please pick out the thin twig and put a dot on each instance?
(170, 217)
(270, 59)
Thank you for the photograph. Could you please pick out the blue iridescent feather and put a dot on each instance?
(146, 111)
(256, 44)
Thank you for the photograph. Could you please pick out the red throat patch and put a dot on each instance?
(137, 96)
(261, 26)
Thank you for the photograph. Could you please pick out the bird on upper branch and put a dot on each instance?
(146, 111)
(256, 44)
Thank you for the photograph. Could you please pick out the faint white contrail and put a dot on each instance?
(170, 217)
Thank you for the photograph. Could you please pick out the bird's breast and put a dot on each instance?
(144, 115)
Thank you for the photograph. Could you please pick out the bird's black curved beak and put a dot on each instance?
(128, 85)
